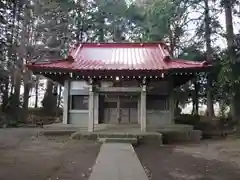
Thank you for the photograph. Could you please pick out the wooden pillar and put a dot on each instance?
(118, 110)
(171, 107)
(139, 110)
(96, 108)
(143, 119)
(91, 109)
(66, 101)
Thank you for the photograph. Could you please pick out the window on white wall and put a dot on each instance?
(79, 102)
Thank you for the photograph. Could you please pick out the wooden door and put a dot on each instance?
(110, 113)
(129, 111)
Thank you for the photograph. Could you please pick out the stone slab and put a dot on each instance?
(133, 141)
(182, 136)
(117, 161)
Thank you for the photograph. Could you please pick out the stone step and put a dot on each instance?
(172, 127)
(133, 141)
(55, 132)
(182, 136)
(116, 135)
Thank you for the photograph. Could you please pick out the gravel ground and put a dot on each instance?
(209, 160)
(26, 157)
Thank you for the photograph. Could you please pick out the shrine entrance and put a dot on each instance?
(120, 109)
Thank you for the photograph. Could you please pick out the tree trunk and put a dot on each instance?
(117, 34)
(17, 86)
(49, 89)
(50, 99)
(5, 96)
(48, 92)
(171, 39)
(12, 85)
(177, 110)
(195, 98)
(25, 100)
(230, 44)
(79, 34)
(101, 29)
(36, 92)
(210, 109)
(59, 96)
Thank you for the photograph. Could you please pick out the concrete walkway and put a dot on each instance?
(117, 161)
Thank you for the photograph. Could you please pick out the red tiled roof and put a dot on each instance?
(119, 56)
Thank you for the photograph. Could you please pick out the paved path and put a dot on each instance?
(117, 161)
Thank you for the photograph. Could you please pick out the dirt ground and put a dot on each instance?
(23, 156)
(209, 160)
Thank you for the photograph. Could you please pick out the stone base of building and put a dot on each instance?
(157, 135)
(134, 137)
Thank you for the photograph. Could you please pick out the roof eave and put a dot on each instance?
(35, 68)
